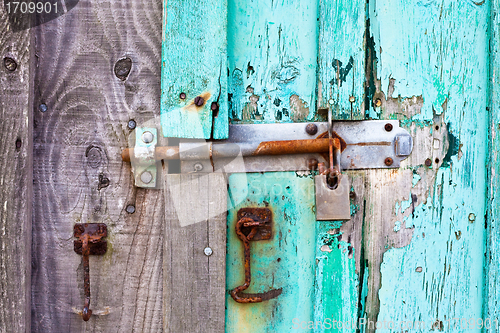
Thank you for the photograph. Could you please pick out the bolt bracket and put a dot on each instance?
(144, 164)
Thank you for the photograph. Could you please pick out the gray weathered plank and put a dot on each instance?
(15, 177)
(77, 144)
(194, 283)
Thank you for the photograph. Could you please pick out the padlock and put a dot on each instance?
(332, 204)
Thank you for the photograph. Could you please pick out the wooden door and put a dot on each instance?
(420, 248)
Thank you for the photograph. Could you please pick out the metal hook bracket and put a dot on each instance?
(90, 242)
(254, 224)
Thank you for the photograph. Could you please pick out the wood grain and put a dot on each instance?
(492, 279)
(272, 60)
(194, 283)
(16, 100)
(341, 58)
(77, 144)
(194, 63)
(425, 237)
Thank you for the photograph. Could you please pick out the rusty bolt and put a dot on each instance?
(182, 95)
(130, 209)
(428, 162)
(388, 161)
(131, 124)
(312, 164)
(352, 99)
(378, 102)
(10, 64)
(311, 129)
(388, 127)
(199, 101)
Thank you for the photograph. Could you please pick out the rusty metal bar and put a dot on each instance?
(90, 242)
(259, 230)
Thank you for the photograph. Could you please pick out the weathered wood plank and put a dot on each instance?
(492, 280)
(424, 245)
(78, 173)
(340, 270)
(194, 283)
(16, 100)
(341, 72)
(194, 62)
(287, 260)
(272, 60)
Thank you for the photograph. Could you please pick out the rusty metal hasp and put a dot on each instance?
(254, 224)
(90, 242)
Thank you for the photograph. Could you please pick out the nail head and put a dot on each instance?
(208, 251)
(131, 124)
(10, 64)
(311, 129)
(43, 108)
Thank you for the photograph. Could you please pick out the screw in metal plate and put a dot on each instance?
(43, 107)
(311, 129)
(147, 137)
(388, 127)
(131, 124)
(10, 64)
(388, 161)
(352, 99)
(208, 251)
(146, 177)
(130, 209)
(198, 167)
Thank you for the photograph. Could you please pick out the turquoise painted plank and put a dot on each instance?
(441, 55)
(286, 261)
(272, 60)
(341, 69)
(492, 281)
(337, 282)
(194, 63)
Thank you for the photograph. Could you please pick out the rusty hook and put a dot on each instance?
(254, 225)
(90, 242)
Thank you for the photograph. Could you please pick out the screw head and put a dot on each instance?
(352, 99)
(388, 127)
(311, 129)
(378, 102)
(147, 137)
(198, 167)
(42, 107)
(199, 101)
(214, 106)
(10, 64)
(388, 161)
(146, 177)
(182, 95)
(312, 164)
(131, 124)
(208, 251)
(130, 209)
(331, 101)
(428, 162)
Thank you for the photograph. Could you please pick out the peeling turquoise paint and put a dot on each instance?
(286, 261)
(441, 54)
